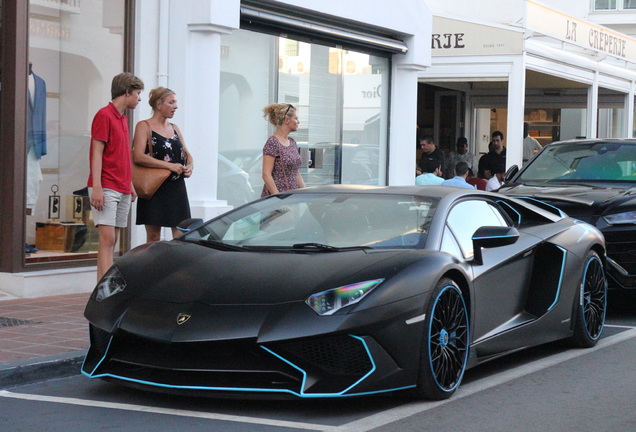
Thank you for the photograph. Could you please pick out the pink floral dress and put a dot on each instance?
(286, 165)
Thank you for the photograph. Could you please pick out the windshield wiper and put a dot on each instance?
(327, 248)
(220, 245)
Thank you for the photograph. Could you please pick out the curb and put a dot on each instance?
(41, 369)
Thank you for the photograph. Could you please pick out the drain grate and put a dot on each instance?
(12, 322)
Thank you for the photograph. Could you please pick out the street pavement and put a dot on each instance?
(42, 338)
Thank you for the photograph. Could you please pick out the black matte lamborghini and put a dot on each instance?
(342, 291)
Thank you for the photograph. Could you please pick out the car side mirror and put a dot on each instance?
(492, 237)
(190, 224)
(512, 171)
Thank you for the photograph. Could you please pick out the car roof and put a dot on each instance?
(628, 141)
(429, 191)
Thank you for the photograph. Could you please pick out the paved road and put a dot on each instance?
(550, 388)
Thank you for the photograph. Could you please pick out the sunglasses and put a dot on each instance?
(290, 106)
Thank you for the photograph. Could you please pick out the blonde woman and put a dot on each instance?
(169, 205)
(281, 155)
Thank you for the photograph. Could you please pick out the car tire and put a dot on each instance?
(590, 304)
(445, 343)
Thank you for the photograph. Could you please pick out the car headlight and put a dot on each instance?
(331, 301)
(111, 283)
(621, 218)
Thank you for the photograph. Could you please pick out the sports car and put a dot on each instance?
(593, 181)
(337, 291)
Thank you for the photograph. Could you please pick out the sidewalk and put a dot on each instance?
(42, 338)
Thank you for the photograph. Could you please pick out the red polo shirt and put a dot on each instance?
(111, 127)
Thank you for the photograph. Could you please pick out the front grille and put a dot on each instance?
(99, 339)
(621, 247)
(339, 355)
(206, 365)
(324, 365)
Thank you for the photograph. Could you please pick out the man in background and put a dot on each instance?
(430, 150)
(530, 145)
(495, 156)
(460, 154)
(461, 172)
(431, 173)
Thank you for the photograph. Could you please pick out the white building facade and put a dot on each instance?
(366, 77)
(549, 63)
(351, 69)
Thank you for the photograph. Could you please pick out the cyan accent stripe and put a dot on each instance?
(544, 203)
(511, 208)
(301, 394)
(558, 293)
(489, 237)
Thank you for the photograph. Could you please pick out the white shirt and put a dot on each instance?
(493, 183)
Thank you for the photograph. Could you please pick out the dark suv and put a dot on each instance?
(594, 181)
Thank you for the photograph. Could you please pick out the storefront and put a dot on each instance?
(567, 77)
(350, 70)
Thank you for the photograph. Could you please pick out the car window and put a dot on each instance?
(466, 217)
(449, 244)
(339, 220)
(604, 161)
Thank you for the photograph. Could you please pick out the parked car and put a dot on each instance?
(340, 291)
(343, 163)
(233, 183)
(593, 181)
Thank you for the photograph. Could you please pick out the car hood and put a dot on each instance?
(184, 272)
(580, 201)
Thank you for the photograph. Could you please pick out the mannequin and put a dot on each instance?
(36, 135)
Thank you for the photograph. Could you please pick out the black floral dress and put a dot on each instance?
(169, 205)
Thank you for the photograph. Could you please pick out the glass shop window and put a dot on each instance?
(75, 49)
(342, 101)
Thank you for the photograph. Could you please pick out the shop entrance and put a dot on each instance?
(556, 109)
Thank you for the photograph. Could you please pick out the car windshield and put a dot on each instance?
(321, 222)
(582, 162)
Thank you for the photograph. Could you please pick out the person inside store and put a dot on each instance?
(478, 182)
(460, 154)
(495, 155)
(281, 155)
(461, 173)
(530, 145)
(431, 173)
(169, 205)
(430, 150)
(110, 179)
(498, 174)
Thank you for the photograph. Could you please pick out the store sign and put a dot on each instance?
(553, 23)
(454, 37)
(363, 91)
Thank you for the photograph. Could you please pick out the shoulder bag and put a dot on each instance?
(147, 180)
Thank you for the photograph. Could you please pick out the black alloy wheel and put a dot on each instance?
(445, 345)
(589, 310)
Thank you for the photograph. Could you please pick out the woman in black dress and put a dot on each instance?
(169, 205)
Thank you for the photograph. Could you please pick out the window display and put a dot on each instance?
(75, 48)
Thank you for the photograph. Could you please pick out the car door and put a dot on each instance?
(502, 280)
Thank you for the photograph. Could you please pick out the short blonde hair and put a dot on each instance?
(277, 112)
(158, 95)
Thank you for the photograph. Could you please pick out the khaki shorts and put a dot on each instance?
(115, 211)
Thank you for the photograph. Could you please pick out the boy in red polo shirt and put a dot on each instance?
(110, 178)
